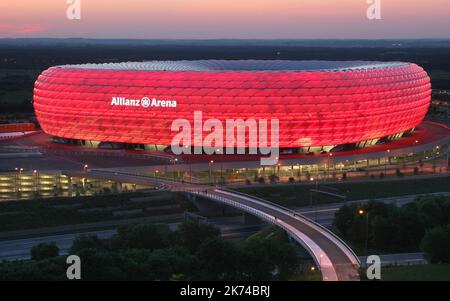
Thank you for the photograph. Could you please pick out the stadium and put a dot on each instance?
(321, 106)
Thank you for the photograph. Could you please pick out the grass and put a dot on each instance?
(427, 272)
(307, 276)
(299, 195)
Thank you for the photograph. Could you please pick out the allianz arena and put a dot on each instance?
(319, 104)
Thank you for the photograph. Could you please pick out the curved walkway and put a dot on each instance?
(335, 259)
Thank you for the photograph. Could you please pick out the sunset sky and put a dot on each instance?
(204, 19)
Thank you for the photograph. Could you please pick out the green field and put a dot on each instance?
(294, 195)
(427, 272)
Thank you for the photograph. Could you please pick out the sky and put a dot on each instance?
(226, 19)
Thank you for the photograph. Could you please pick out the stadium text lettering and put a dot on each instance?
(144, 102)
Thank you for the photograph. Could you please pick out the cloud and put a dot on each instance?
(22, 29)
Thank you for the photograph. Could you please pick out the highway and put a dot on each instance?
(400, 259)
(324, 214)
(335, 259)
(20, 249)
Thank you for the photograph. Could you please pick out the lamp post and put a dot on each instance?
(329, 164)
(311, 200)
(36, 179)
(210, 171)
(361, 212)
(19, 171)
(174, 161)
(386, 161)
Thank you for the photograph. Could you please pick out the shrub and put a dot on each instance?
(274, 178)
(44, 251)
(436, 243)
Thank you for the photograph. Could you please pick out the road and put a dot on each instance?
(324, 214)
(400, 259)
(19, 249)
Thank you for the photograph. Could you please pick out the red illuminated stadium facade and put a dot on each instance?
(319, 104)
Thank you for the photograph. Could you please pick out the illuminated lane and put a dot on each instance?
(335, 259)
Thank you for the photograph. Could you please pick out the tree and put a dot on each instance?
(142, 236)
(219, 260)
(51, 269)
(191, 235)
(344, 218)
(383, 233)
(410, 228)
(434, 210)
(43, 251)
(86, 242)
(269, 256)
(436, 243)
(101, 265)
(162, 264)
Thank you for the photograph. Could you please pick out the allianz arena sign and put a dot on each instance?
(144, 102)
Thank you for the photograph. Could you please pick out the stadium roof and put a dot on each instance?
(240, 65)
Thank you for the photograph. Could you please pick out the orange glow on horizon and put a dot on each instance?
(226, 19)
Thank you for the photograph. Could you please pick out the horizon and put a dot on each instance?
(222, 19)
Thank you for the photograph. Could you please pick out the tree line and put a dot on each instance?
(423, 224)
(194, 251)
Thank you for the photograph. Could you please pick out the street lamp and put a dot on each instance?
(36, 179)
(386, 160)
(329, 164)
(361, 212)
(210, 170)
(18, 178)
(85, 168)
(311, 199)
(174, 161)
